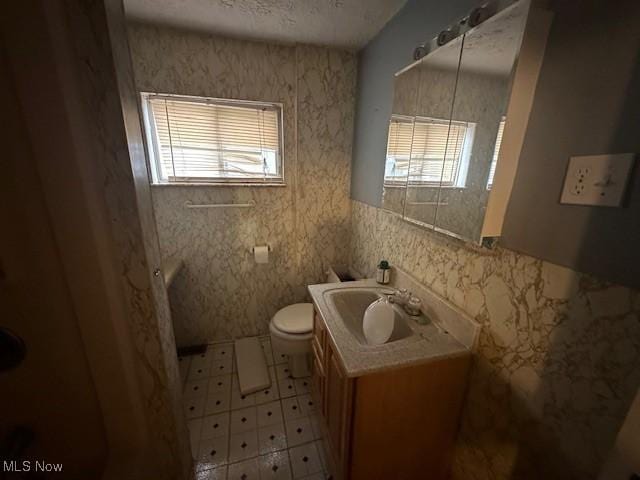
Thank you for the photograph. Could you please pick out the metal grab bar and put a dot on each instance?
(188, 204)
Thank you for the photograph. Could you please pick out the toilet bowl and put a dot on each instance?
(291, 330)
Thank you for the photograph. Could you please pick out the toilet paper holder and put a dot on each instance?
(252, 249)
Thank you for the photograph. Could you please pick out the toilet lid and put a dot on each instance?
(296, 318)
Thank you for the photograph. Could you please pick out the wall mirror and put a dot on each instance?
(432, 143)
(396, 169)
(446, 128)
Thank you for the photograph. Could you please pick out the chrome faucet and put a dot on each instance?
(410, 303)
(414, 306)
(400, 297)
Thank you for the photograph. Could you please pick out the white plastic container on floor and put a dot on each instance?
(253, 373)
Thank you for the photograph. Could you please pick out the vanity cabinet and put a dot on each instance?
(337, 407)
(331, 390)
(398, 423)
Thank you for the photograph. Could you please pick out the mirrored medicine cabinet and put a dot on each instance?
(457, 124)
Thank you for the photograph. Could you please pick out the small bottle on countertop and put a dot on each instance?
(383, 274)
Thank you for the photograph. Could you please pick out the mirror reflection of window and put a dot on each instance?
(496, 152)
(440, 152)
(398, 150)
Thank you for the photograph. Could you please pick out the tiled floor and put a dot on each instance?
(272, 434)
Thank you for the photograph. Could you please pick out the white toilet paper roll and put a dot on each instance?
(261, 254)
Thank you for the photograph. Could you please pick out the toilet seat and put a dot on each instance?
(290, 337)
(296, 319)
(291, 331)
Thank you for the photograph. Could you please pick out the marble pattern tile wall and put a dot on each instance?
(104, 71)
(222, 292)
(558, 361)
(325, 97)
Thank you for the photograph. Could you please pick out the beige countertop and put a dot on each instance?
(430, 342)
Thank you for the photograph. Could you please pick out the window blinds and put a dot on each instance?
(435, 147)
(496, 152)
(436, 151)
(200, 139)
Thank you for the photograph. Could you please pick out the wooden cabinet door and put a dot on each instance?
(318, 377)
(318, 382)
(319, 337)
(338, 407)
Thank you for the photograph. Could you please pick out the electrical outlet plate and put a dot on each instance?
(597, 180)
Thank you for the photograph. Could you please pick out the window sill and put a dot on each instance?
(212, 184)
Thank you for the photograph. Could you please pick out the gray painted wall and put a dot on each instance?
(587, 102)
(388, 52)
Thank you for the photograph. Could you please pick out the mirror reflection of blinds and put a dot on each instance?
(496, 152)
(400, 134)
(209, 140)
(398, 148)
(436, 151)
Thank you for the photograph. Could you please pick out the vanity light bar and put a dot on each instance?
(477, 16)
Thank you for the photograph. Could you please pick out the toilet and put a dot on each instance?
(291, 330)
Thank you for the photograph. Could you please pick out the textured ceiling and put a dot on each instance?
(339, 23)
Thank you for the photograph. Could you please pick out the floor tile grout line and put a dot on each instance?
(265, 454)
(233, 351)
(286, 436)
(276, 379)
(230, 409)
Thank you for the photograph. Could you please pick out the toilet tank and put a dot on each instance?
(338, 274)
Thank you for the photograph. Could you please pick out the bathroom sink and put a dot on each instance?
(339, 313)
(350, 305)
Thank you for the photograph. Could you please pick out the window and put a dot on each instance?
(496, 151)
(209, 140)
(439, 151)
